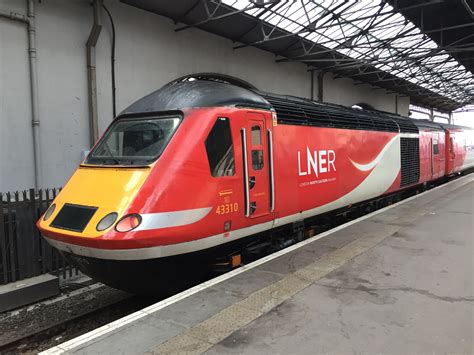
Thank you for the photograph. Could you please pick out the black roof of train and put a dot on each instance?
(428, 125)
(202, 91)
(452, 126)
(197, 93)
(300, 111)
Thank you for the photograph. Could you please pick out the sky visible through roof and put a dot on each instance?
(372, 32)
(462, 118)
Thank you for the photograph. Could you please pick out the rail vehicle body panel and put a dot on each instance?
(322, 169)
(432, 155)
(459, 149)
(196, 167)
(182, 205)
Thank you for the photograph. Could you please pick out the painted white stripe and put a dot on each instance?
(108, 328)
(375, 184)
(162, 250)
(409, 135)
(380, 179)
(378, 158)
(172, 219)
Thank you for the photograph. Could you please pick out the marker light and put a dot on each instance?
(49, 211)
(106, 222)
(128, 223)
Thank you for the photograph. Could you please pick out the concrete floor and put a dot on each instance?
(412, 293)
(400, 281)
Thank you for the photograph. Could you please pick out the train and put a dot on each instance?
(205, 164)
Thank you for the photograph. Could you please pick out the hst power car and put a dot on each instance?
(201, 166)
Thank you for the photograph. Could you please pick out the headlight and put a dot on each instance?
(128, 223)
(106, 222)
(49, 211)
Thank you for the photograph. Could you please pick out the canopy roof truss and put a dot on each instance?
(367, 40)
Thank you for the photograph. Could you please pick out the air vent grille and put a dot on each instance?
(73, 217)
(406, 125)
(298, 111)
(410, 161)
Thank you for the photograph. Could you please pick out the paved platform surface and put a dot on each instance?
(397, 281)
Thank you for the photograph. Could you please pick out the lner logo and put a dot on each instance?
(317, 162)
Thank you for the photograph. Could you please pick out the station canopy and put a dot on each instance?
(423, 49)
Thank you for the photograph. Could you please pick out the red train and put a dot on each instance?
(202, 165)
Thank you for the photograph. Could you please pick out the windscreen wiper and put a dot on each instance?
(114, 159)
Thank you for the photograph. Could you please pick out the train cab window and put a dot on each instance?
(435, 147)
(136, 141)
(220, 151)
(257, 154)
(256, 136)
(257, 159)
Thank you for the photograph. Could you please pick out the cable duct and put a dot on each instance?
(91, 72)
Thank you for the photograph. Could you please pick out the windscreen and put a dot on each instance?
(134, 141)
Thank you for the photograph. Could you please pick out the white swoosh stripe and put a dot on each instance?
(212, 241)
(375, 184)
(172, 219)
(378, 158)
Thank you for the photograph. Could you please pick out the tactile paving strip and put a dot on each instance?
(206, 334)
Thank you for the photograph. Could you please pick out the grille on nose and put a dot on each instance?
(73, 217)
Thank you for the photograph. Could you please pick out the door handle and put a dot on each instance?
(253, 207)
(252, 182)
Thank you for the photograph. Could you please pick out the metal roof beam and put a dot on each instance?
(365, 40)
(211, 16)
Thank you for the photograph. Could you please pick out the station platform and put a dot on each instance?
(399, 280)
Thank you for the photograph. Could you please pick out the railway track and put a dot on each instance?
(44, 336)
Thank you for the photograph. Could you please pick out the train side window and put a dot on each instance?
(220, 151)
(257, 159)
(435, 147)
(256, 136)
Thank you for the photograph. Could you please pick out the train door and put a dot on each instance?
(435, 156)
(257, 166)
(450, 153)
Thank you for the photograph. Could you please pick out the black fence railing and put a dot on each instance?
(23, 253)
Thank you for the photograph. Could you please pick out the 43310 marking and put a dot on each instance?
(227, 208)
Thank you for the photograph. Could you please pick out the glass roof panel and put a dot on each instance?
(370, 31)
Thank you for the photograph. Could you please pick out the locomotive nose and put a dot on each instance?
(93, 201)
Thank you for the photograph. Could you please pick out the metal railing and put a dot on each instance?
(23, 252)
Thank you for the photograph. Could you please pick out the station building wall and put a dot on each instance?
(149, 53)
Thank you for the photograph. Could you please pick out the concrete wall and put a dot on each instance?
(148, 54)
(343, 91)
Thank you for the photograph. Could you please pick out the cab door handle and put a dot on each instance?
(253, 207)
(252, 182)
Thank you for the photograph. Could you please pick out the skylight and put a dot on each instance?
(368, 31)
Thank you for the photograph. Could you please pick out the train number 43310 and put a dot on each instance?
(227, 208)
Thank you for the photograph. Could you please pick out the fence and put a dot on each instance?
(23, 253)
